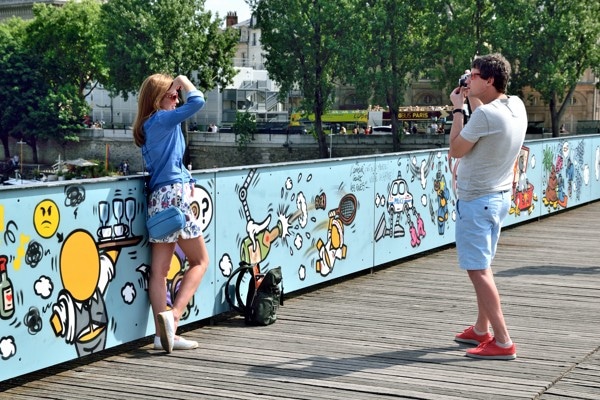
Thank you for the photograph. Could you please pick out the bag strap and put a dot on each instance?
(240, 272)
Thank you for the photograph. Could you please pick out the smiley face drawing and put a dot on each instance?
(46, 218)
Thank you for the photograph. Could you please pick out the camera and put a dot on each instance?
(462, 82)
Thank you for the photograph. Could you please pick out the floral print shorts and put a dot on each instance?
(170, 195)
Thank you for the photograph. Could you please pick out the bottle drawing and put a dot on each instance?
(254, 254)
(7, 306)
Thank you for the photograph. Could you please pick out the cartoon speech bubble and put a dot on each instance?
(202, 207)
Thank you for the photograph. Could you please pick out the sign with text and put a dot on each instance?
(418, 115)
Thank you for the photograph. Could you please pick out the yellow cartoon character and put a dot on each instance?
(335, 248)
(46, 217)
(79, 314)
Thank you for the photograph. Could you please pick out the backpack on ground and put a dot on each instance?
(264, 295)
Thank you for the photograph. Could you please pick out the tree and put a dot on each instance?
(56, 60)
(302, 40)
(68, 44)
(12, 60)
(174, 37)
(27, 113)
(550, 44)
(391, 47)
(244, 129)
(458, 31)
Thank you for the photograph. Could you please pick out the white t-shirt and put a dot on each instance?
(498, 130)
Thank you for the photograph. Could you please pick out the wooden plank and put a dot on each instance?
(385, 334)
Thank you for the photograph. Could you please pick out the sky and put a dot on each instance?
(223, 6)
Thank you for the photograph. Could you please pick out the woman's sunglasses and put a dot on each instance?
(172, 97)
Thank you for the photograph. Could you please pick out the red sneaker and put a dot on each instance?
(469, 336)
(491, 351)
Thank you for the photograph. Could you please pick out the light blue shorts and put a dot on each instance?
(478, 227)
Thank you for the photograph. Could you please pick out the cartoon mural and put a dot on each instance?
(7, 304)
(71, 245)
(401, 200)
(257, 244)
(523, 195)
(74, 256)
(565, 173)
(333, 247)
(296, 221)
(69, 242)
(259, 238)
(79, 314)
(442, 194)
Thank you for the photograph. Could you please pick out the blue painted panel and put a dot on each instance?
(594, 168)
(75, 259)
(204, 304)
(302, 218)
(563, 164)
(527, 187)
(414, 204)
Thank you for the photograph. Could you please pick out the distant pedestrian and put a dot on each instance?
(212, 128)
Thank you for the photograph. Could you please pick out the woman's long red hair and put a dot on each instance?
(151, 93)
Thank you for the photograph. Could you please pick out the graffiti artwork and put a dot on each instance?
(75, 258)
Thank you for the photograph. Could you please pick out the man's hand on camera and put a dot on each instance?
(457, 96)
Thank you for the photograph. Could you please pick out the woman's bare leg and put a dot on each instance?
(197, 255)
(162, 253)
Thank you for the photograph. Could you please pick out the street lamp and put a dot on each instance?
(266, 105)
(21, 143)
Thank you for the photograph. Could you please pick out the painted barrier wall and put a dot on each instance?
(74, 255)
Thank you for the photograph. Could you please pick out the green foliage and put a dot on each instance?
(47, 63)
(244, 128)
(378, 46)
(16, 69)
(59, 115)
(93, 171)
(548, 159)
(67, 43)
(173, 37)
(458, 31)
(551, 44)
(302, 40)
(392, 46)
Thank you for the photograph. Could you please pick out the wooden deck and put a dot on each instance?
(382, 335)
